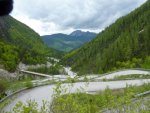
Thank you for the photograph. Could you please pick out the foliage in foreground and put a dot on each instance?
(108, 100)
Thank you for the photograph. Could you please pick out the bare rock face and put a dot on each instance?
(6, 75)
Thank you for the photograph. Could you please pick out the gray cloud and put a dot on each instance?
(67, 15)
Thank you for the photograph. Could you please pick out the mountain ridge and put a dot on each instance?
(20, 43)
(121, 45)
(64, 42)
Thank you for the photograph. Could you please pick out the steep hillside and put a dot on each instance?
(67, 43)
(124, 44)
(20, 43)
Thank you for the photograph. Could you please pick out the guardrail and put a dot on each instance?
(42, 75)
(3, 99)
(143, 94)
(34, 73)
(138, 69)
(98, 75)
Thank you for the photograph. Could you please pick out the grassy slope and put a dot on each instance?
(20, 43)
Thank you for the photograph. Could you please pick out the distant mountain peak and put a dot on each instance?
(79, 33)
(64, 42)
(116, 47)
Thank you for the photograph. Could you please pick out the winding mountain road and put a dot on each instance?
(45, 92)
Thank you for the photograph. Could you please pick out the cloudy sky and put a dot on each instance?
(55, 16)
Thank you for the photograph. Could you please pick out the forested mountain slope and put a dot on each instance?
(19, 43)
(66, 43)
(124, 44)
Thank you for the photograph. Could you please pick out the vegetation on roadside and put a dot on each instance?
(12, 86)
(52, 70)
(115, 100)
(4, 84)
(125, 77)
(104, 100)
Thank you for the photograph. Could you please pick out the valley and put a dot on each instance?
(82, 72)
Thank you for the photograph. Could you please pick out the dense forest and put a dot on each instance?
(19, 43)
(124, 44)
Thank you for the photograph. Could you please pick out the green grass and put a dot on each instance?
(13, 86)
(133, 77)
(87, 103)
(18, 85)
(53, 70)
(129, 77)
